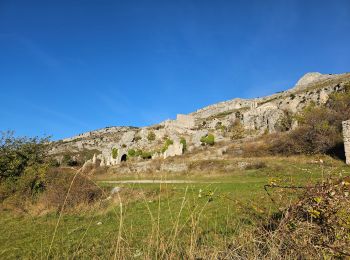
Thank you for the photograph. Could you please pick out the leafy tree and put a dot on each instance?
(18, 153)
(23, 164)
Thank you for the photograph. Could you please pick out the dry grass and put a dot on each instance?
(82, 191)
(317, 226)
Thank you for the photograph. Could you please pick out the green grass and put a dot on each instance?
(159, 220)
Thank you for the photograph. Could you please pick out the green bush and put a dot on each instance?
(114, 153)
(184, 144)
(151, 136)
(23, 165)
(208, 140)
(131, 152)
(146, 155)
(166, 145)
(220, 126)
(138, 153)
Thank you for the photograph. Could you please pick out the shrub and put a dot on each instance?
(69, 160)
(237, 130)
(23, 165)
(83, 191)
(184, 144)
(146, 155)
(220, 126)
(131, 152)
(319, 130)
(208, 139)
(18, 153)
(315, 226)
(151, 136)
(138, 152)
(114, 153)
(285, 122)
(166, 145)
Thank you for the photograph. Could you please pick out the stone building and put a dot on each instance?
(346, 134)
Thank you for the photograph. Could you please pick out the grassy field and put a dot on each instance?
(200, 219)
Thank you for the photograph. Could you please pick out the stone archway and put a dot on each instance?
(123, 158)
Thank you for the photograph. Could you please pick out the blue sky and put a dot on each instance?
(68, 67)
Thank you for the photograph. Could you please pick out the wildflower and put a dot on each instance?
(314, 213)
(318, 200)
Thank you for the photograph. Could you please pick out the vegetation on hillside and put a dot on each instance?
(208, 140)
(151, 136)
(319, 130)
(27, 176)
(23, 166)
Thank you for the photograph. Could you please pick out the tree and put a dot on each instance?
(23, 164)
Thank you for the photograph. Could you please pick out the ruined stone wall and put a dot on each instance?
(346, 134)
(185, 120)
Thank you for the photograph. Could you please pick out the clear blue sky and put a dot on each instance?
(67, 67)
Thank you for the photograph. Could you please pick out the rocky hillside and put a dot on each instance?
(223, 121)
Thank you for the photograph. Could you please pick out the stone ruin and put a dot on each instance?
(186, 121)
(346, 134)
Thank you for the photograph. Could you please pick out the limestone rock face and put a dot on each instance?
(311, 77)
(346, 134)
(256, 116)
(186, 121)
(197, 137)
(127, 138)
(174, 149)
(264, 117)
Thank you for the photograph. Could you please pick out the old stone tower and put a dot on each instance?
(346, 134)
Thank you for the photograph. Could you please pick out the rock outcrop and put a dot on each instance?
(256, 116)
(174, 149)
(311, 77)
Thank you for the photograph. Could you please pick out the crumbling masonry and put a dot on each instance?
(346, 134)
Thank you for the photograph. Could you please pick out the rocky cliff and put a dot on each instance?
(255, 116)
